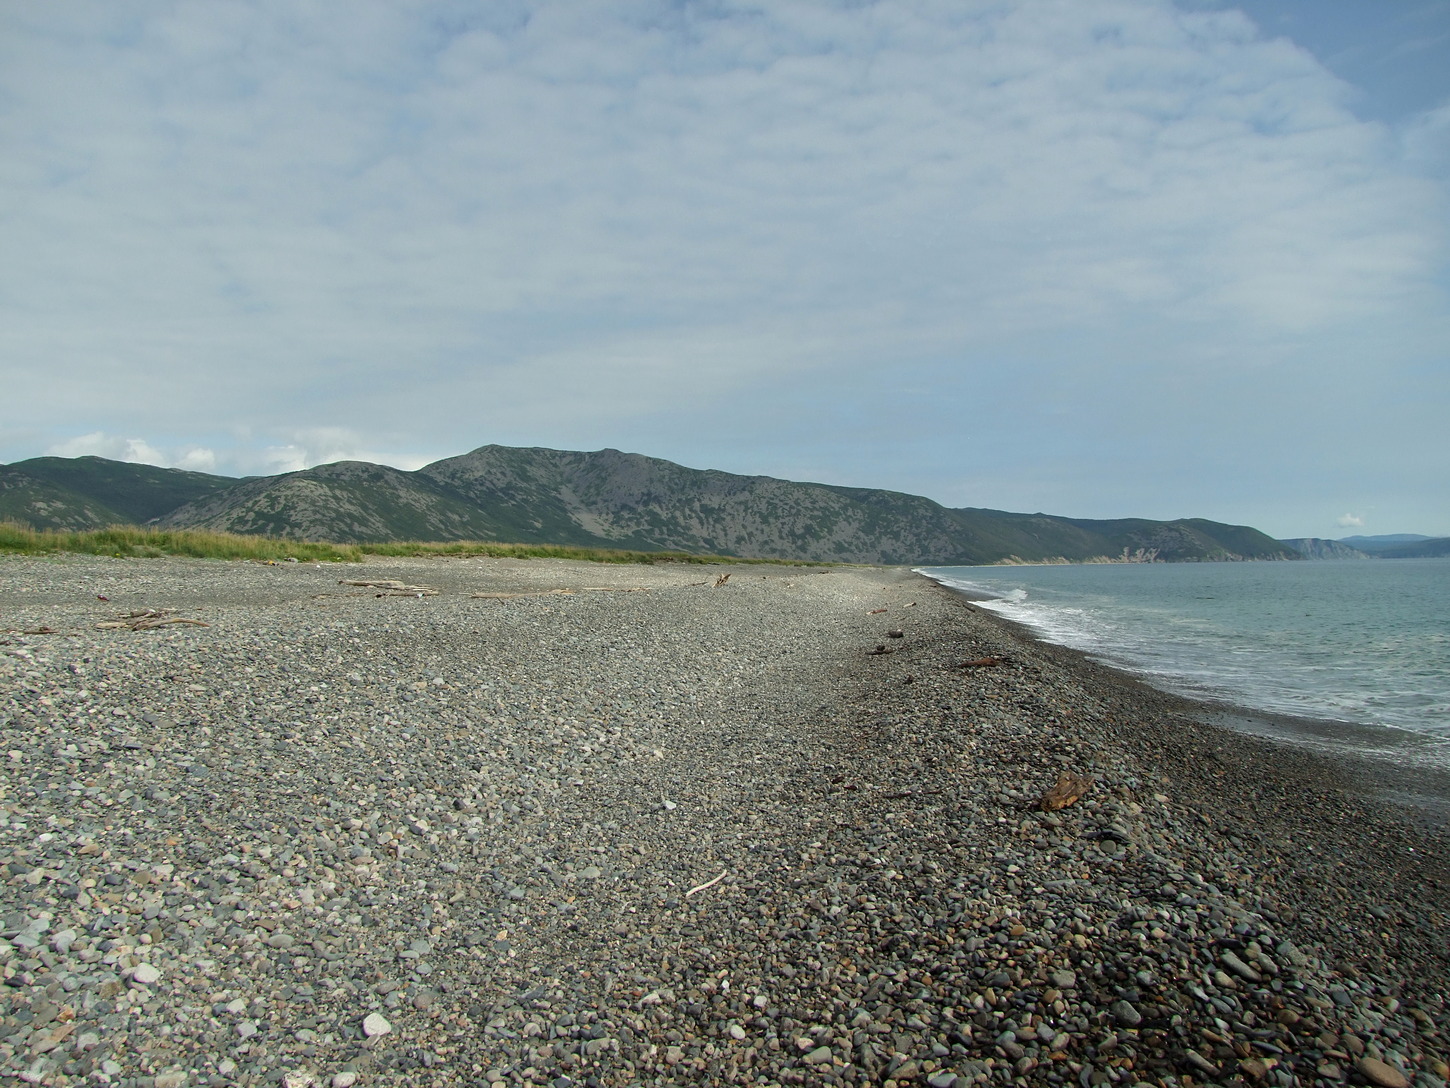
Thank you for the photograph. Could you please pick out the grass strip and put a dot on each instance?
(132, 541)
(135, 542)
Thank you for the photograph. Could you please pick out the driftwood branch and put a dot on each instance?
(707, 884)
(390, 587)
(1068, 791)
(515, 596)
(146, 619)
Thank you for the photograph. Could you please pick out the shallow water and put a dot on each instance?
(1361, 647)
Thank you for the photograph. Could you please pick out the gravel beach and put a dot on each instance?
(554, 823)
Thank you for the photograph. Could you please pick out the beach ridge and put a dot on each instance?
(783, 829)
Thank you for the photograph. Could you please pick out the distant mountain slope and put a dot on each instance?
(118, 490)
(1313, 547)
(1425, 548)
(44, 505)
(624, 500)
(1395, 545)
(630, 501)
(344, 502)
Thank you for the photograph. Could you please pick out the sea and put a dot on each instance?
(1345, 655)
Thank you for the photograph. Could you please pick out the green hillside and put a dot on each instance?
(605, 499)
(129, 492)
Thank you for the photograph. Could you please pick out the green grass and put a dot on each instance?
(491, 550)
(129, 541)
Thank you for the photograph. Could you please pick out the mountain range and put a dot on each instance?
(604, 499)
(1388, 546)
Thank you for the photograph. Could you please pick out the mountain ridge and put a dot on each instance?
(605, 498)
(1389, 546)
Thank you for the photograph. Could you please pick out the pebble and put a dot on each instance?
(1381, 1073)
(341, 839)
(1126, 1014)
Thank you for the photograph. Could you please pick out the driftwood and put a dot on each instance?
(721, 581)
(875, 611)
(391, 588)
(559, 592)
(982, 663)
(1068, 791)
(515, 596)
(707, 884)
(146, 619)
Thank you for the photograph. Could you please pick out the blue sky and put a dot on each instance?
(1102, 259)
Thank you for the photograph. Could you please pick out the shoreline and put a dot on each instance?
(1423, 754)
(1387, 760)
(655, 831)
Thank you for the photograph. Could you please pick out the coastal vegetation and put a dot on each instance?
(129, 541)
(602, 500)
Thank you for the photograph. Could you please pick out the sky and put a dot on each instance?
(1098, 258)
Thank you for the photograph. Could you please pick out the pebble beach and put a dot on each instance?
(539, 822)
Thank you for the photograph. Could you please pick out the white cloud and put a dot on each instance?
(431, 226)
(197, 459)
(135, 451)
(310, 446)
(1426, 138)
(100, 444)
(1350, 521)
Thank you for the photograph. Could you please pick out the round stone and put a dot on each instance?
(1381, 1073)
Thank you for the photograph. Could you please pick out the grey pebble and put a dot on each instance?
(389, 840)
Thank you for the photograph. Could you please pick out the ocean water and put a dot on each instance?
(1359, 650)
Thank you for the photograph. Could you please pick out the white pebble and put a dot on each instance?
(375, 1024)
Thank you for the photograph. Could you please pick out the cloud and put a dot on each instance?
(1349, 521)
(307, 447)
(136, 451)
(197, 459)
(431, 226)
(100, 444)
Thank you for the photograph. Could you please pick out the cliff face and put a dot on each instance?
(1313, 547)
(614, 499)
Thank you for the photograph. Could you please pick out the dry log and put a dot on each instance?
(147, 619)
(708, 883)
(981, 663)
(515, 596)
(721, 580)
(390, 587)
(1069, 790)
